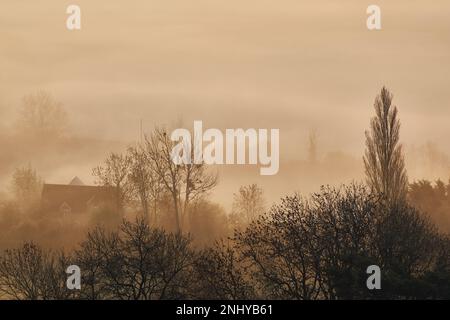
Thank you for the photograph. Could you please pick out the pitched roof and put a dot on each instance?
(76, 182)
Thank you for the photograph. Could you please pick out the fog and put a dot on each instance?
(297, 66)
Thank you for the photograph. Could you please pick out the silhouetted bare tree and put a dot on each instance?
(138, 262)
(43, 116)
(221, 274)
(114, 172)
(27, 187)
(185, 183)
(32, 273)
(146, 183)
(248, 204)
(279, 250)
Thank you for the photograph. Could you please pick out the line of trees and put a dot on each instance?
(432, 199)
(316, 248)
(301, 248)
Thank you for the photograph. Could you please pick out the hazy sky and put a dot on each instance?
(294, 65)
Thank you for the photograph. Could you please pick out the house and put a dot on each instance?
(76, 198)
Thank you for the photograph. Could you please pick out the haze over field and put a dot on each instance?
(299, 66)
